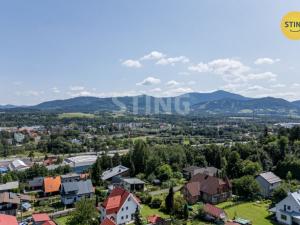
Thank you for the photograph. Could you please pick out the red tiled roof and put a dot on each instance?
(115, 200)
(107, 222)
(52, 184)
(207, 184)
(50, 222)
(41, 217)
(213, 211)
(231, 223)
(8, 220)
(154, 219)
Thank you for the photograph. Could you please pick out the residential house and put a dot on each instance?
(36, 183)
(70, 177)
(18, 165)
(9, 203)
(40, 218)
(288, 210)
(80, 163)
(72, 192)
(107, 221)
(207, 188)
(8, 220)
(157, 220)
(214, 213)
(51, 185)
(19, 137)
(113, 172)
(130, 184)
(268, 182)
(191, 171)
(9, 186)
(120, 206)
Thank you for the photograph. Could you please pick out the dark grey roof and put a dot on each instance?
(70, 175)
(9, 186)
(133, 181)
(270, 177)
(113, 172)
(191, 169)
(36, 182)
(80, 187)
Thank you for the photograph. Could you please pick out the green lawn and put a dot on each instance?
(256, 212)
(76, 115)
(61, 220)
(147, 211)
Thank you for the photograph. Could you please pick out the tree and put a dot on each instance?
(186, 211)
(246, 187)
(164, 172)
(251, 168)
(85, 213)
(169, 201)
(139, 156)
(137, 217)
(31, 155)
(116, 159)
(96, 172)
(234, 165)
(279, 194)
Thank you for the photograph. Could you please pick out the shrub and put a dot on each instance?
(156, 203)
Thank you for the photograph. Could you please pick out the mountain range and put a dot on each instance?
(218, 102)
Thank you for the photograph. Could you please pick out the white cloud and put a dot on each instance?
(177, 91)
(132, 63)
(295, 85)
(257, 88)
(184, 73)
(172, 83)
(149, 81)
(200, 67)
(221, 67)
(30, 93)
(154, 55)
(172, 60)
(261, 61)
(262, 76)
(278, 85)
(77, 88)
(55, 90)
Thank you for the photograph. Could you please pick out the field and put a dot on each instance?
(257, 212)
(76, 115)
(147, 211)
(61, 220)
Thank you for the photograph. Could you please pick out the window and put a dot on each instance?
(126, 216)
(289, 207)
(122, 209)
(283, 217)
(126, 207)
(122, 217)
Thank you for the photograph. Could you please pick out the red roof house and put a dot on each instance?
(52, 184)
(108, 222)
(120, 206)
(40, 218)
(215, 212)
(50, 222)
(155, 219)
(203, 187)
(8, 220)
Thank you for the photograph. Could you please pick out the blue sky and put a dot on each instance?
(55, 49)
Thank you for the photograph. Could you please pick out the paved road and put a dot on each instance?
(164, 191)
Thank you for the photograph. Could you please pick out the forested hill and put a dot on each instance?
(218, 102)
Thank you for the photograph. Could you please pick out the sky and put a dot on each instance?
(53, 49)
